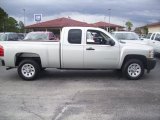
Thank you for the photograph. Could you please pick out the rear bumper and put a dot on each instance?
(2, 63)
(151, 63)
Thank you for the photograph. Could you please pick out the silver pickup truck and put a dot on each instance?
(78, 48)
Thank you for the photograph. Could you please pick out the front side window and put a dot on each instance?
(75, 36)
(97, 37)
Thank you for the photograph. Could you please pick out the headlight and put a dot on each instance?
(151, 54)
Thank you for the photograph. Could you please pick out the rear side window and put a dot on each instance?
(75, 36)
(153, 36)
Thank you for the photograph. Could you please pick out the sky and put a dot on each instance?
(139, 12)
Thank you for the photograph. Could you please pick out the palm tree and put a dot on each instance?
(129, 25)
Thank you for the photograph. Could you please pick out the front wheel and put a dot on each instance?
(133, 69)
(28, 69)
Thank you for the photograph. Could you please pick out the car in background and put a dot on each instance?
(129, 37)
(9, 36)
(153, 39)
(40, 35)
(21, 36)
(142, 36)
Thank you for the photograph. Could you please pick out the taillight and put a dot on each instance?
(1, 51)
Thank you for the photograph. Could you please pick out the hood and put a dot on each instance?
(134, 42)
(136, 45)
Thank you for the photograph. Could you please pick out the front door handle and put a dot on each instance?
(90, 48)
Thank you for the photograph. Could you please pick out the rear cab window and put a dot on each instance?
(75, 36)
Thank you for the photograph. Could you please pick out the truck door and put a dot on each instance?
(98, 54)
(72, 49)
(152, 41)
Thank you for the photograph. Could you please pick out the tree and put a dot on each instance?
(21, 26)
(11, 25)
(3, 18)
(145, 30)
(129, 25)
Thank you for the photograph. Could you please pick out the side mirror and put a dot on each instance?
(111, 42)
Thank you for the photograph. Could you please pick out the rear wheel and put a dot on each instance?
(133, 69)
(28, 69)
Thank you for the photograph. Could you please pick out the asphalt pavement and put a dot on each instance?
(79, 95)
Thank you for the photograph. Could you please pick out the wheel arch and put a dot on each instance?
(25, 55)
(133, 56)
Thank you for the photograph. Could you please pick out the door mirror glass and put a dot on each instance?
(111, 42)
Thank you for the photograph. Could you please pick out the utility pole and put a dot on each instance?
(24, 15)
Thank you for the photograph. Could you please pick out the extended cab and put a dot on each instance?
(78, 48)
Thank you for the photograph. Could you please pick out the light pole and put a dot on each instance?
(104, 22)
(24, 19)
(109, 13)
(24, 15)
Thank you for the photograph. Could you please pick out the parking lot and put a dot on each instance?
(79, 95)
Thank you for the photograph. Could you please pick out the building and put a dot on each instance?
(107, 26)
(141, 30)
(154, 27)
(57, 24)
(149, 28)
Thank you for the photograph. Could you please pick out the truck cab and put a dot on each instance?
(90, 48)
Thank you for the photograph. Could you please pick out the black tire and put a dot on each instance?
(30, 69)
(133, 69)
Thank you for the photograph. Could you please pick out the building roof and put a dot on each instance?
(153, 24)
(59, 23)
(105, 24)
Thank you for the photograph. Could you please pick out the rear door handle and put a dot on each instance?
(90, 48)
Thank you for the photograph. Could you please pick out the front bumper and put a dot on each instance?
(151, 63)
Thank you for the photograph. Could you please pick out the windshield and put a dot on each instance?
(126, 36)
(2, 37)
(149, 35)
(36, 36)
